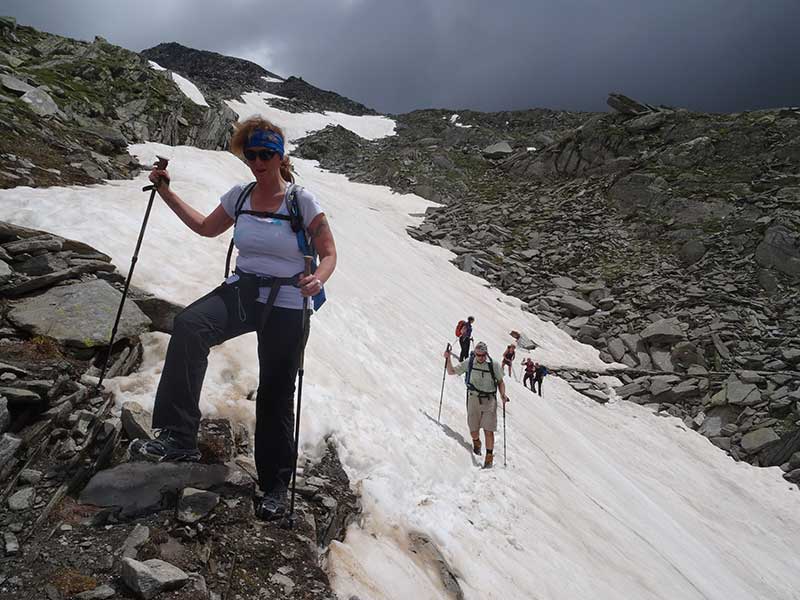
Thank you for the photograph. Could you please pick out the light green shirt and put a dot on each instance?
(480, 376)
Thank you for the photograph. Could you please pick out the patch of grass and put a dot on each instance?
(70, 582)
(46, 347)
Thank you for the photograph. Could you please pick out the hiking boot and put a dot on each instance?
(273, 505)
(476, 447)
(489, 460)
(164, 448)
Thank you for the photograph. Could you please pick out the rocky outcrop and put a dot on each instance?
(93, 99)
(225, 78)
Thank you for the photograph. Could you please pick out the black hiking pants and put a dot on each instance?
(528, 378)
(225, 313)
(464, 349)
(539, 381)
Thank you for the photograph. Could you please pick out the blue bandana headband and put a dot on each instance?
(262, 138)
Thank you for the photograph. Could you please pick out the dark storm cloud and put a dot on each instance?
(714, 55)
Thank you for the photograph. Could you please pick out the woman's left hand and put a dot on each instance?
(310, 285)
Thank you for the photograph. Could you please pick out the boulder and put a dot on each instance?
(161, 312)
(497, 151)
(664, 331)
(742, 394)
(5, 272)
(576, 306)
(195, 504)
(40, 102)
(140, 487)
(779, 249)
(9, 444)
(15, 85)
(626, 106)
(5, 416)
(151, 577)
(758, 439)
(661, 358)
(136, 421)
(80, 314)
(685, 354)
(691, 252)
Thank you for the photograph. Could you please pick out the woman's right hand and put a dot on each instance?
(159, 176)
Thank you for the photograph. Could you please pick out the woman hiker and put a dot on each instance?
(265, 294)
(508, 357)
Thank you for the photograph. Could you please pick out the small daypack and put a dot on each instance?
(469, 374)
(295, 218)
(462, 324)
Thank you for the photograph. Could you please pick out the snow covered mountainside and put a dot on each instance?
(599, 501)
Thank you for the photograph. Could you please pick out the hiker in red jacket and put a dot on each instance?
(530, 371)
(464, 333)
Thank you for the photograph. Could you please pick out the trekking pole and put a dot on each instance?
(306, 271)
(161, 164)
(441, 396)
(504, 434)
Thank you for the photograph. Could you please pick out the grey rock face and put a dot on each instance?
(195, 504)
(5, 272)
(80, 314)
(151, 577)
(779, 249)
(161, 312)
(5, 417)
(15, 85)
(22, 499)
(665, 331)
(9, 444)
(136, 421)
(692, 251)
(498, 150)
(103, 592)
(576, 306)
(756, 440)
(40, 102)
(742, 394)
(138, 487)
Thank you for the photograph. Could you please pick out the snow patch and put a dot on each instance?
(189, 89)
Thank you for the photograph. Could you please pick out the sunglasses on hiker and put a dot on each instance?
(262, 154)
(480, 354)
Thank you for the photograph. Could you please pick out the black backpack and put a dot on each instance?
(469, 373)
(295, 218)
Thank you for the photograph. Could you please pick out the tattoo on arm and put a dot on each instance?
(320, 228)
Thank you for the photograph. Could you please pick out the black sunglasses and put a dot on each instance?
(262, 154)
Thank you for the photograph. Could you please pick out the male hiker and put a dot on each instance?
(539, 373)
(484, 379)
(530, 371)
(464, 335)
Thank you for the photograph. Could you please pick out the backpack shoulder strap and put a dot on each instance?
(491, 371)
(237, 211)
(304, 242)
(469, 370)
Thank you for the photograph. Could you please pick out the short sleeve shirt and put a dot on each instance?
(268, 246)
(480, 376)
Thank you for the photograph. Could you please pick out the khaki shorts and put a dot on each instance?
(481, 412)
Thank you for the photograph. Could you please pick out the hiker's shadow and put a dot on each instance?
(452, 434)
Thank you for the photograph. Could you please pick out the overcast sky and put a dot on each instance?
(396, 56)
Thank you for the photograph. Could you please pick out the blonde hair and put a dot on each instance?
(243, 131)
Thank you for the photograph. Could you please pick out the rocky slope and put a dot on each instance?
(667, 239)
(69, 109)
(78, 520)
(224, 77)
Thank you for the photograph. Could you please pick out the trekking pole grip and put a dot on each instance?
(309, 261)
(160, 164)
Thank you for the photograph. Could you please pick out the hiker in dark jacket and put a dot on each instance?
(485, 379)
(466, 338)
(539, 373)
(530, 370)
